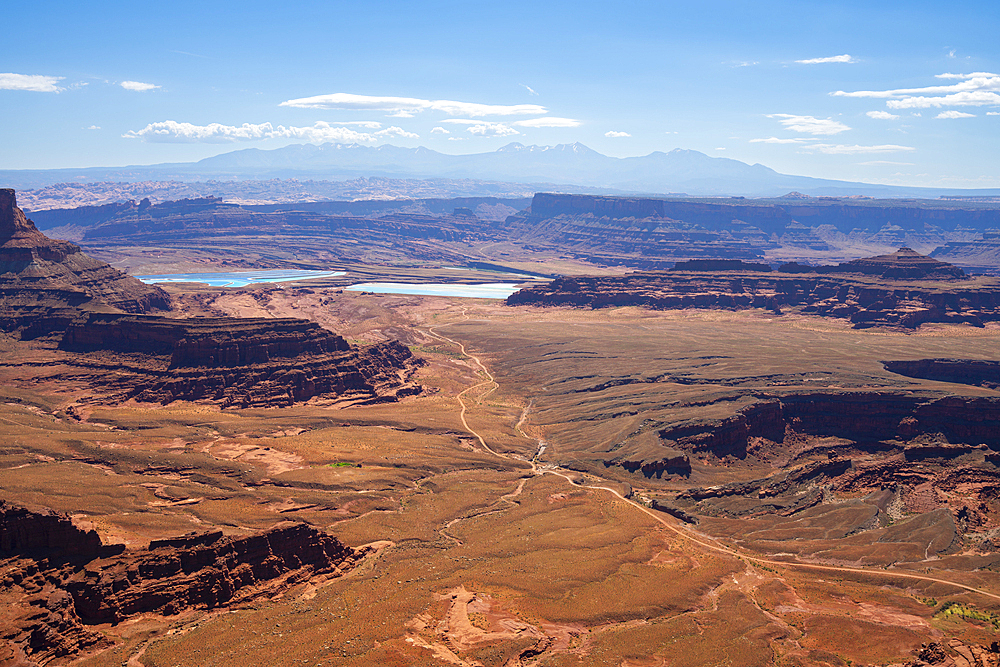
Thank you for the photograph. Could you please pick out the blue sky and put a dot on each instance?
(892, 92)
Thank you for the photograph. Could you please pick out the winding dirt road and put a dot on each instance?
(700, 539)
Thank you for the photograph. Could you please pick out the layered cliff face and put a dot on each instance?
(905, 263)
(981, 372)
(42, 280)
(865, 302)
(874, 417)
(624, 231)
(54, 592)
(233, 362)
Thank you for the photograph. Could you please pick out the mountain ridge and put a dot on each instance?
(568, 165)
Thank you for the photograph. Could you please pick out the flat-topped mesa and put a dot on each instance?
(203, 342)
(905, 263)
(234, 362)
(44, 281)
(545, 204)
(720, 265)
(865, 301)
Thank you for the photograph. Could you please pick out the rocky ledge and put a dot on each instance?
(979, 372)
(876, 417)
(865, 301)
(58, 583)
(233, 362)
(44, 282)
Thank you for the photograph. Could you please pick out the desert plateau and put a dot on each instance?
(719, 463)
(500, 334)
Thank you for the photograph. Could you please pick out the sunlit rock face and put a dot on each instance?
(44, 282)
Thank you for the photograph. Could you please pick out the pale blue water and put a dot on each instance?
(485, 291)
(239, 278)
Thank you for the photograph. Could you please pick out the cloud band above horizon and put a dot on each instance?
(410, 105)
(170, 131)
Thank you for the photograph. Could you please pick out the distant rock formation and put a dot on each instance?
(930, 293)
(720, 265)
(980, 254)
(44, 283)
(629, 231)
(233, 362)
(981, 372)
(53, 591)
(904, 264)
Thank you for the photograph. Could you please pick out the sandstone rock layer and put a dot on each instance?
(60, 582)
(44, 281)
(233, 362)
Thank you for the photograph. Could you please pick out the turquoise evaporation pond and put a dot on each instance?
(484, 291)
(239, 278)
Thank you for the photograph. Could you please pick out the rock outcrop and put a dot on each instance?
(233, 362)
(904, 264)
(44, 283)
(875, 416)
(45, 535)
(52, 596)
(981, 372)
(865, 301)
(979, 254)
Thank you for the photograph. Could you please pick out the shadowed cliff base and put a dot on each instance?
(59, 581)
(902, 290)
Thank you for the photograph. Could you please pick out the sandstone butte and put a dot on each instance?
(101, 318)
(45, 283)
(72, 582)
(903, 289)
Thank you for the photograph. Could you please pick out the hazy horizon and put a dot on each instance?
(900, 95)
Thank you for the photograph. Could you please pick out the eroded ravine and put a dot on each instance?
(686, 533)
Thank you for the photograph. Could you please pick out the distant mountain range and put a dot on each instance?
(563, 167)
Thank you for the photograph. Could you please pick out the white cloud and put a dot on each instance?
(369, 124)
(440, 130)
(138, 86)
(746, 63)
(878, 163)
(840, 149)
(411, 105)
(810, 125)
(173, 132)
(955, 114)
(93, 127)
(483, 128)
(974, 89)
(394, 132)
(882, 115)
(33, 82)
(615, 133)
(993, 113)
(776, 140)
(721, 149)
(548, 121)
(829, 59)
(322, 132)
(973, 75)
(969, 99)
(492, 130)
(531, 91)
